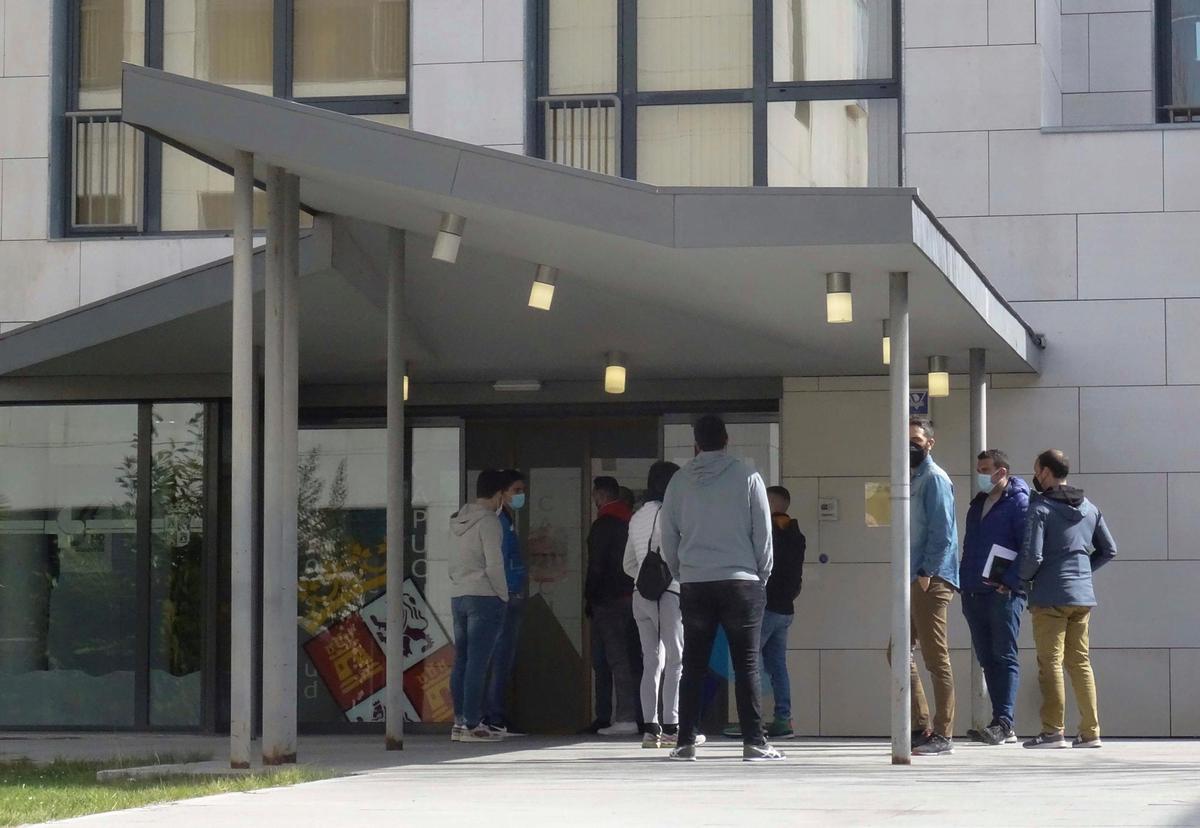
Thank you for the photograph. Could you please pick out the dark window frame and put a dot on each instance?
(765, 89)
(66, 100)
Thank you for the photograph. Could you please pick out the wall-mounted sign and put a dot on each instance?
(918, 403)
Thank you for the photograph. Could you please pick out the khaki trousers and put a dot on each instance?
(1061, 636)
(929, 616)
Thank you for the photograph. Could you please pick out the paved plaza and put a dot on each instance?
(577, 783)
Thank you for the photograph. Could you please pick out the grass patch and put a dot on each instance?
(32, 792)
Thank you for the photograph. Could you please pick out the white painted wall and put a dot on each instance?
(1088, 234)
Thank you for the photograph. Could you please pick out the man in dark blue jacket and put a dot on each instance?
(993, 607)
(517, 575)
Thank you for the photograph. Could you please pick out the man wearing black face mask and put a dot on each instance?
(934, 561)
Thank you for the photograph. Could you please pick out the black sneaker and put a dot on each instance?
(920, 737)
(975, 735)
(936, 746)
(994, 734)
(1048, 741)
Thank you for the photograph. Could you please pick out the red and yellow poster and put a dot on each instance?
(348, 660)
(427, 686)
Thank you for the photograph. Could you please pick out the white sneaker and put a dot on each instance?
(479, 733)
(456, 732)
(619, 729)
(700, 739)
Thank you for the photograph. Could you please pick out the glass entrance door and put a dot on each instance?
(552, 684)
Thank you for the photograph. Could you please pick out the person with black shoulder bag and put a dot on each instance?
(656, 611)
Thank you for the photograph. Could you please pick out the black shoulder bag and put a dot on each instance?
(655, 576)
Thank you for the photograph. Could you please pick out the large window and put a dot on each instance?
(103, 518)
(351, 56)
(801, 93)
(342, 605)
(1178, 60)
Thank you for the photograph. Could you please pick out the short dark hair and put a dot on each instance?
(512, 476)
(489, 483)
(780, 491)
(710, 433)
(999, 459)
(923, 423)
(1056, 461)
(607, 485)
(657, 479)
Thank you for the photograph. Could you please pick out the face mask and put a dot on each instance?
(518, 501)
(1037, 485)
(916, 455)
(985, 483)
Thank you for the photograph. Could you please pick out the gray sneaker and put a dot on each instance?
(1081, 742)
(1048, 741)
(936, 746)
(683, 753)
(761, 753)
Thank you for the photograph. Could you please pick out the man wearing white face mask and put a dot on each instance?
(993, 608)
(516, 573)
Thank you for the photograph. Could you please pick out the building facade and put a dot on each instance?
(1057, 140)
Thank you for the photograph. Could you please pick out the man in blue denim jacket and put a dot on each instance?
(934, 561)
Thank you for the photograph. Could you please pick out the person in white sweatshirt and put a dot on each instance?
(478, 595)
(659, 622)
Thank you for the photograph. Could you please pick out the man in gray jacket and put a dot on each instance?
(716, 539)
(478, 595)
(1066, 540)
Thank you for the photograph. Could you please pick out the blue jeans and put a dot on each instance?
(995, 623)
(477, 624)
(495, 707)
(774, 659)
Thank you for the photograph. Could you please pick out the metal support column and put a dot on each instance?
(290, 493)
(981, 706)
(396, 369)
(277, 748)
(241, 495)
(898, 422)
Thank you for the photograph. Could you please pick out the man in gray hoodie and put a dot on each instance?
(478, 595)
(716, 539)
(1066, 540)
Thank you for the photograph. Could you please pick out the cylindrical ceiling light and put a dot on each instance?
(887, 342)
(838, 304)
(449, 237)
(939, 377)
(541, 295)
(614, 374)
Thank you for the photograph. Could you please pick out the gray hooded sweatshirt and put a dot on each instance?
(477, 561)
(716, 522)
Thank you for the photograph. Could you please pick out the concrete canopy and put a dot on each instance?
(687, 282)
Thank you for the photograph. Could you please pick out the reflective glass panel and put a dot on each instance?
(68, 554)
(350, 47)
(832, 143)
(695, 44)
(223, 41)
(110, 32)
(818, 40)
(696, 145)
(583, 46)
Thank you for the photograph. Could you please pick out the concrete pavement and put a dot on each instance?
(580, 783)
